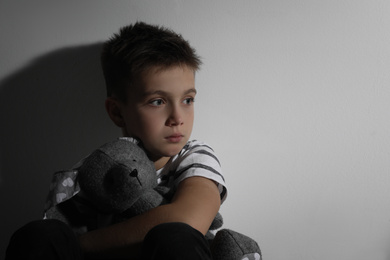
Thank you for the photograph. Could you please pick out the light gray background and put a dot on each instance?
(294, 96)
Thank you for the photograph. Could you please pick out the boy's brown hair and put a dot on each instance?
(138, 48)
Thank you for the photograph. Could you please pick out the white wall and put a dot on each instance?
(293, 95)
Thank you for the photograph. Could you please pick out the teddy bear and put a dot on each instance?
(118, 181)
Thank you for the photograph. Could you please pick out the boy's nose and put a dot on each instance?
(175, 118)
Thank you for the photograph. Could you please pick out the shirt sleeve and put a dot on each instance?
(196, 159)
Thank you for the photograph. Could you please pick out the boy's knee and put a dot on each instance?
(176, 241)
(38, 230)
(42, 237)
(174, 231)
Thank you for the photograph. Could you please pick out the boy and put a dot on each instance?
(150, 79)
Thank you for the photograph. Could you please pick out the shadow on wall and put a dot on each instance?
(52, 115)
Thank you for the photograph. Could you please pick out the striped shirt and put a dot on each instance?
(195, 159)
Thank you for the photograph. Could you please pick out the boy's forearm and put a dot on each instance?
(122, 239)
(196, 203)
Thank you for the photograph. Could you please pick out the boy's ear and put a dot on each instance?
(113, 108)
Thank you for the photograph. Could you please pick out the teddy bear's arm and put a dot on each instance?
(148, 200)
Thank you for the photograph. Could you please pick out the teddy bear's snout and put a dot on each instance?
(134, 173)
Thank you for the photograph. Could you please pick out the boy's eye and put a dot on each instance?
(189, 101)
(157, 102)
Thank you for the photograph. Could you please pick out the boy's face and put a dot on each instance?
(160, 111)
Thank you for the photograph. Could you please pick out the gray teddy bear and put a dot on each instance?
(118, 181)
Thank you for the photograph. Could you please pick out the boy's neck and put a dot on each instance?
(160, 163)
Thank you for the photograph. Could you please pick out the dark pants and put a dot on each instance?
(44, 239)
(52, 239)
(175, 241)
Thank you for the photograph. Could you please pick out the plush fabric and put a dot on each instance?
(231, 245)
(118, 181)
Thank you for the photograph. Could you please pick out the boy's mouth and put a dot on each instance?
(175, 138)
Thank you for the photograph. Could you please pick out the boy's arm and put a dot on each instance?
(196, 202)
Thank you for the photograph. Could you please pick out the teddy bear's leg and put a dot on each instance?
(231, 245)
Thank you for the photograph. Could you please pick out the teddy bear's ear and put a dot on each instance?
(62, 188)
(113, 108)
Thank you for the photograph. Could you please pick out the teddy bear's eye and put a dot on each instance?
(134, 160)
